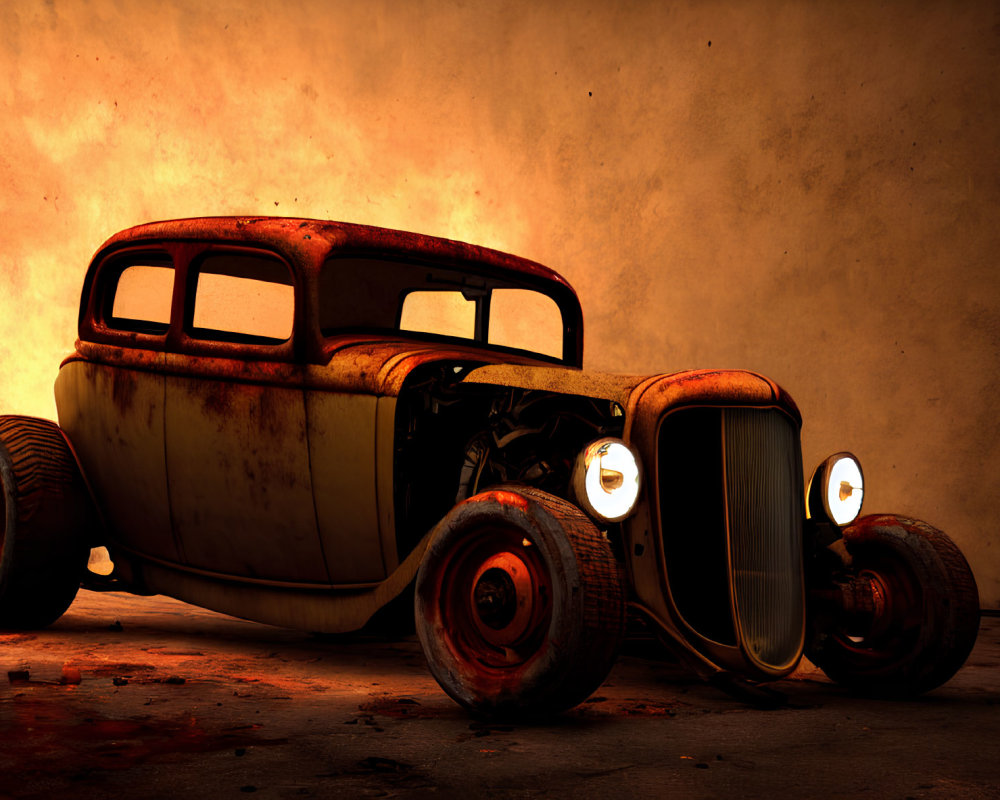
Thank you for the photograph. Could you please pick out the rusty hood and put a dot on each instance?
(642, 392)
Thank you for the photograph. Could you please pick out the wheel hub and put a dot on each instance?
(502, 599)
(495, 598)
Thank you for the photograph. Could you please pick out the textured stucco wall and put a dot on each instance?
(809, 189)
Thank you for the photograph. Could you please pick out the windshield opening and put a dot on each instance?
(375, 295)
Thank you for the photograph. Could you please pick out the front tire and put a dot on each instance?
(908, 617)
(46, 516)
(519, 604)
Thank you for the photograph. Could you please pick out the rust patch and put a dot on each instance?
(237, 364)
(268, 410)
(216, 398)
(716, 387)
(503, 498)
(310, 240)
(123, 387)
(558, 379)
(133, 358)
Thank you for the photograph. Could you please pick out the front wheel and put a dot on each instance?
(906, 618)
(519, 604)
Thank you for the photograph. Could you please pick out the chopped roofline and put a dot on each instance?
(309, 235)
(305, 245)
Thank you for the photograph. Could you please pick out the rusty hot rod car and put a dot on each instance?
(313, 423)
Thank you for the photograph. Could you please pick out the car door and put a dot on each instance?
(237, 453)
(110, 401)
(344, 432)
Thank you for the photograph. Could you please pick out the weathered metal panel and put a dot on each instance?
(385, 449)
(326, 612)
(710, 386)
(558, 379)
(238, 470)
(342, 455)
(379, 365)
(113, 416)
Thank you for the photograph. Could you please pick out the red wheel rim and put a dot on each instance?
(494, 600)
(890, 632)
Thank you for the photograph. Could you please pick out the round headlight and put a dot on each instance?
(606, 479)
(837, 489)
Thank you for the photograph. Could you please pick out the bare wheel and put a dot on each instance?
(46, 517)
(519, 604)
(908, 617)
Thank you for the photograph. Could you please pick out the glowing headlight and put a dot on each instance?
(837, 489)
(606, 479)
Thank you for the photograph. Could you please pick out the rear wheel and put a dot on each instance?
(906, 619)
(519, 604)
(46, 517)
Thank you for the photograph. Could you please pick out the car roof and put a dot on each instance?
(315, 239)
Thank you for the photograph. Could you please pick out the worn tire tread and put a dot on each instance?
(47, 514)
(586, 641)
(950, 601)
(604, 602)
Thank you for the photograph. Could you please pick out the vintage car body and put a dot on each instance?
(301, 475)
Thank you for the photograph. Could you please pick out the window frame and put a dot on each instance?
(474, 279)
(102, 319)
(193, 270)
(97, 300)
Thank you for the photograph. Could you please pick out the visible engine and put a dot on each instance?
(454, 440)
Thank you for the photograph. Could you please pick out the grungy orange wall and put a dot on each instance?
(810, 190)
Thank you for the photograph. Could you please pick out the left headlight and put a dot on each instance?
(837, 489)
(606, 479)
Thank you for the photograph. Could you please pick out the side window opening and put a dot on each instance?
(525, 320)
(446, 313)
(242, 298)
(141, 298)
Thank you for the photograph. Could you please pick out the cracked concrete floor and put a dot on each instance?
(147, 697)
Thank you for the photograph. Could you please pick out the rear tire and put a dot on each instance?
(519, 604)
(47, 520)
(920, 617)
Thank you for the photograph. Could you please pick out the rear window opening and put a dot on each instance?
(140, 302)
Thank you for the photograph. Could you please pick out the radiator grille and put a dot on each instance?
(730, 483)
(763, 480)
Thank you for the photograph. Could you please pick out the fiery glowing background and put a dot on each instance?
(805, 189)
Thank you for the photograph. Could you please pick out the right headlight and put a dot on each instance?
(606, 479)
(836, 489)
